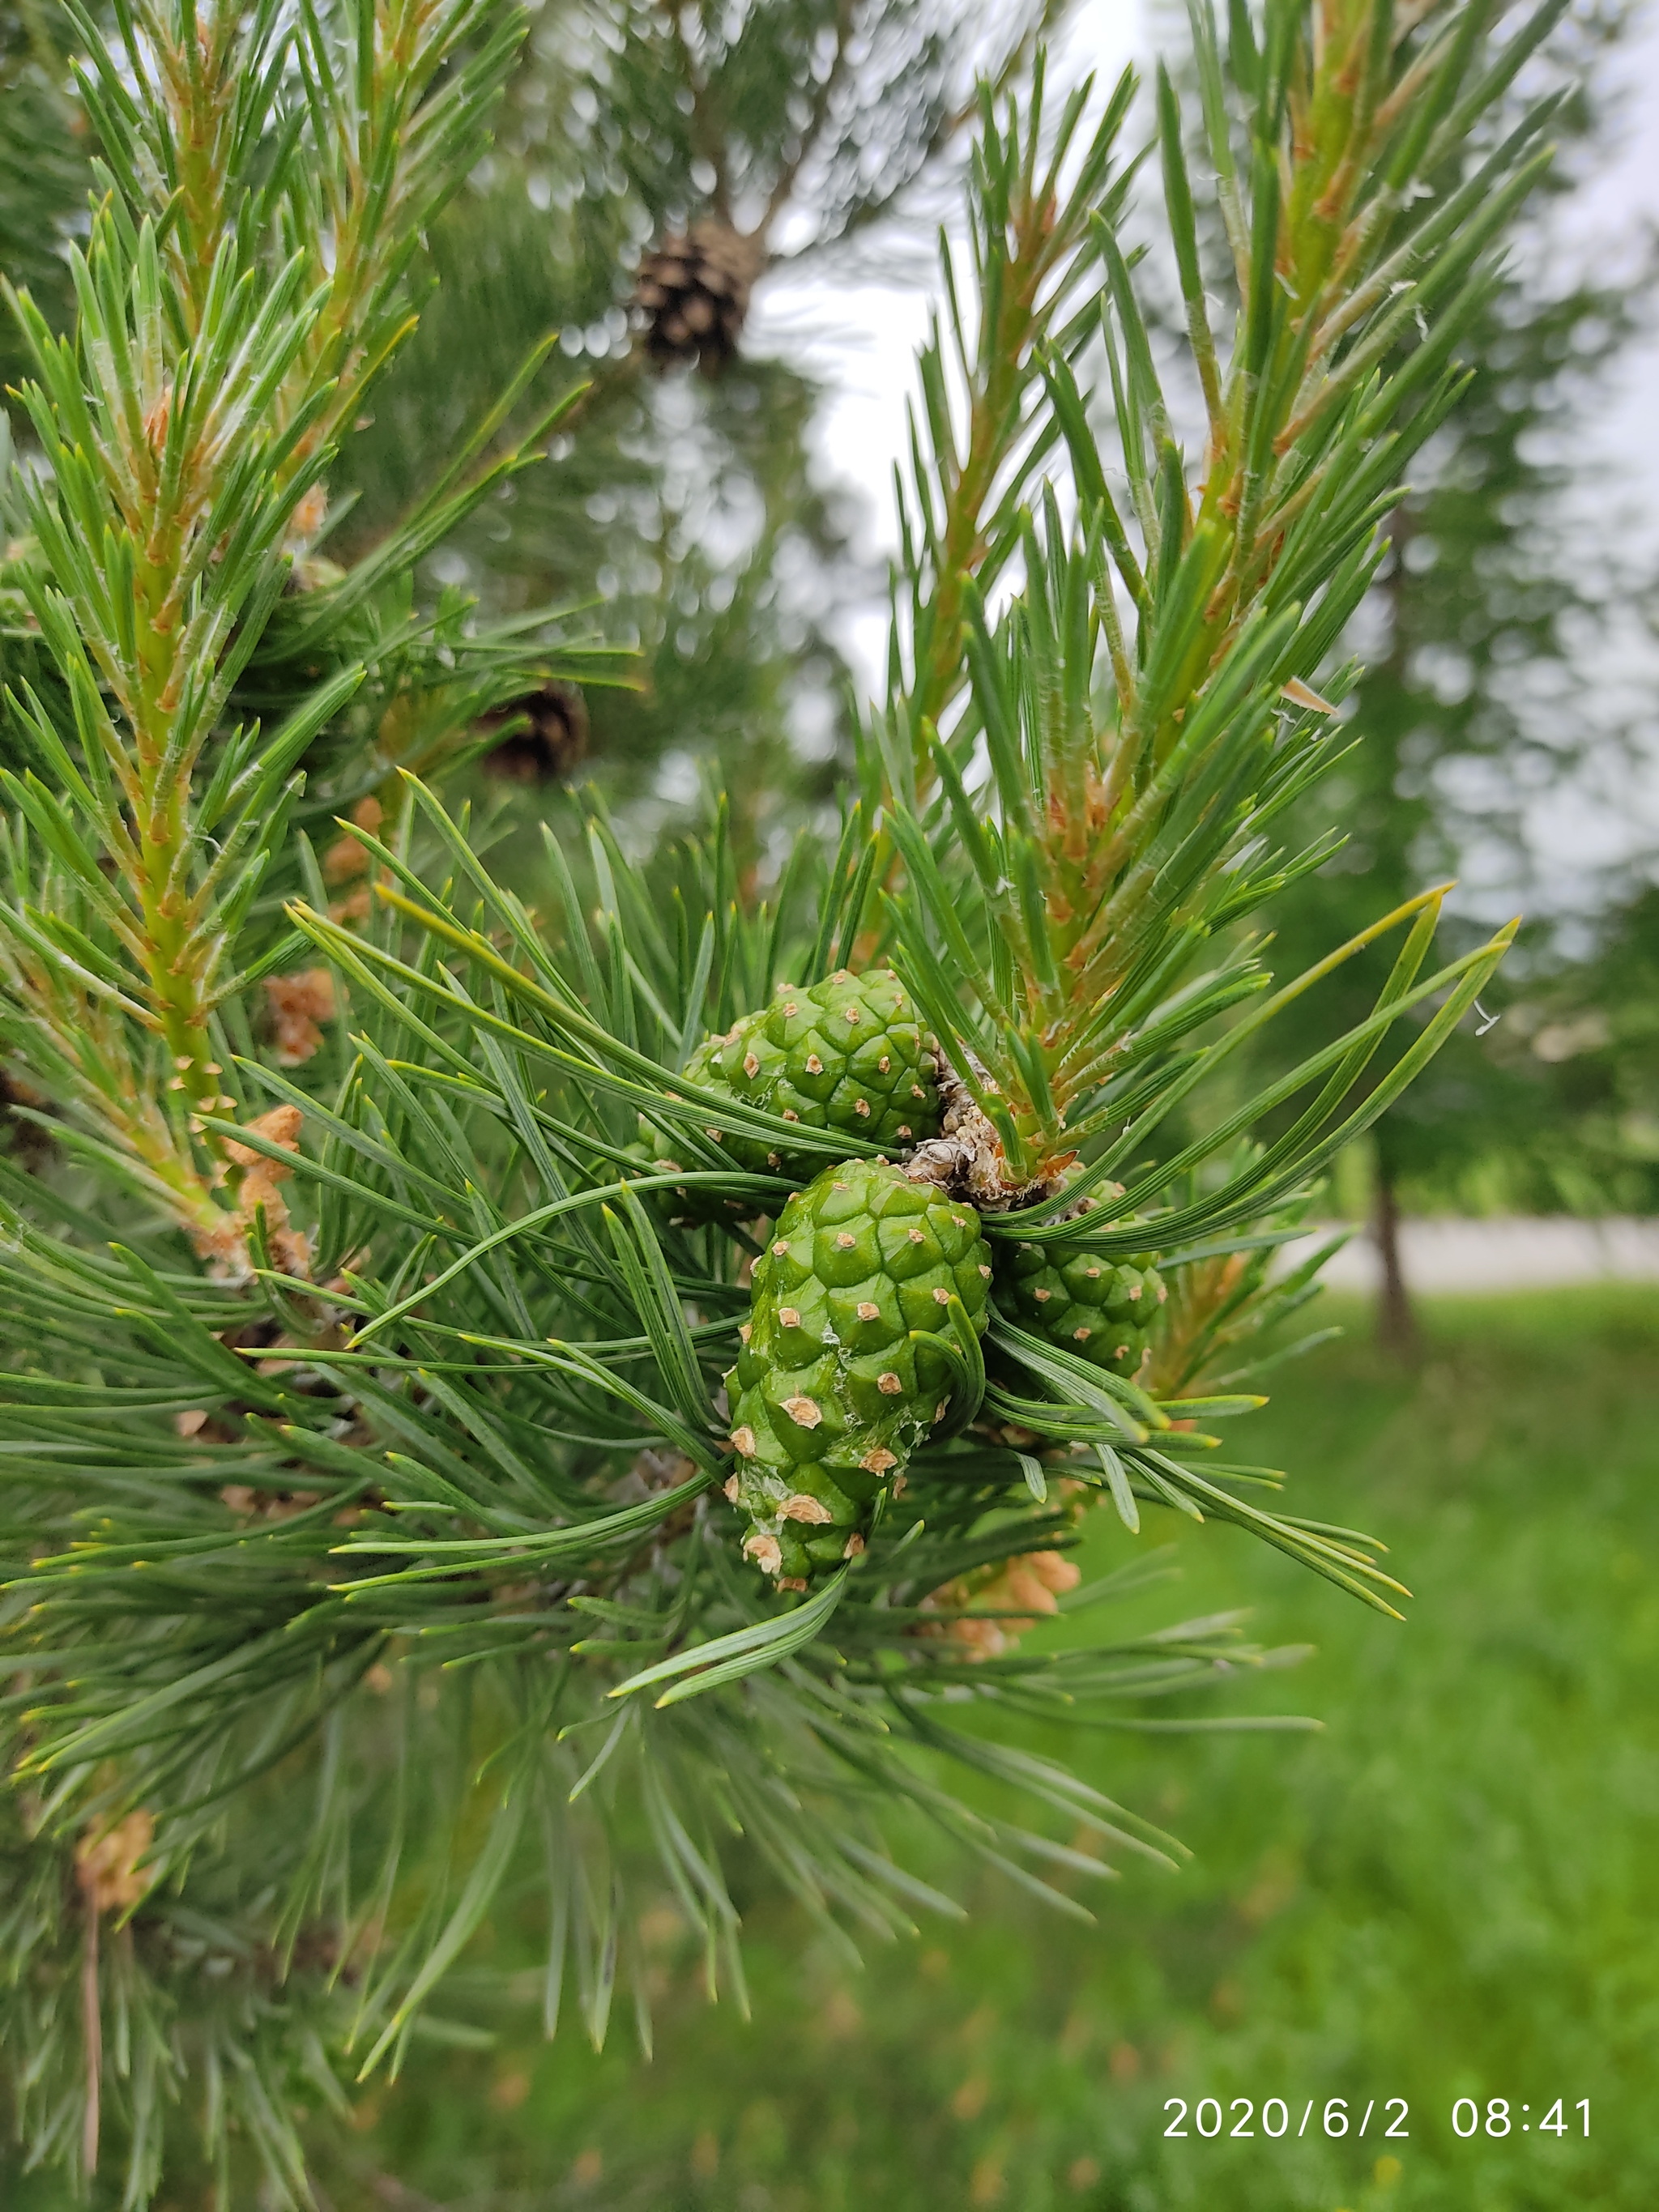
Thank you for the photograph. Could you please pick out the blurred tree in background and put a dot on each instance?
(1581, 1044)
(43, 175)
(707, 147)
(1481, 696)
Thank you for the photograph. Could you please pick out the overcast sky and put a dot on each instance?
(860, 338)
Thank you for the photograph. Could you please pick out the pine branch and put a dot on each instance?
(241, 289)
(621, 1370)
(1029, 252)
(1105, 851)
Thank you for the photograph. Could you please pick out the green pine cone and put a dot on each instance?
(831, 1391)
(1104, 1311)
(846, 1054)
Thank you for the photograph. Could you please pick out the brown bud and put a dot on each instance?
(106, 1863)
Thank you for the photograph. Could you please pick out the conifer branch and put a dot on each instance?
(1107, 849)
(633, 1365)
(234, 307)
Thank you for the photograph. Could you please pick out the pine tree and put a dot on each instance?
(508, 1440)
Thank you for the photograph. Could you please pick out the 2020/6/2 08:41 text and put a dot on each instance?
(1336, 2118)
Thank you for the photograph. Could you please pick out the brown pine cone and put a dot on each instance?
(552, 741)
(693, 294)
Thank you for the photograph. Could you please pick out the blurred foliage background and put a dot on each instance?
(1451, 1892)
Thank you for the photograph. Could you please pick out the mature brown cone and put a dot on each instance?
(693, 293)
(552, 741)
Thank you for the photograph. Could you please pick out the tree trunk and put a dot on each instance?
(1397, 1323)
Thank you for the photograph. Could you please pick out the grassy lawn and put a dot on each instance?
(1452, 1892)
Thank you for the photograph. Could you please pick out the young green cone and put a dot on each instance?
(1102, 1311)
(847, 1054)
(837, 1382)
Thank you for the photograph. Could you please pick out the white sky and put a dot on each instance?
(860, 339)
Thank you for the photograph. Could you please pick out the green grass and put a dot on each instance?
(1452, 1891)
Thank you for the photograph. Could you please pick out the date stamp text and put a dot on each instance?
(1276, 2117)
